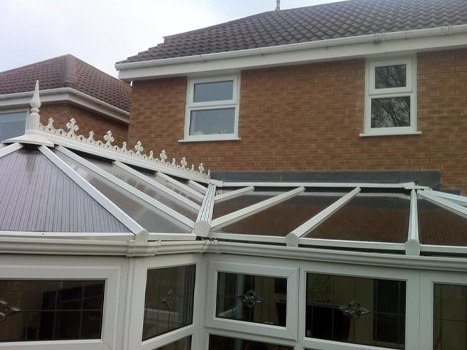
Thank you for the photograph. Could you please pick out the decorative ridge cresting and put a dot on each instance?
(34, 123)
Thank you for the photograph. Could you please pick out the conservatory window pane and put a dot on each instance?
(450, 317)
(439, 226)
(182, 344)
(217, 342)
(249, 298)
(356, 310)
(282, 218)
(368, 217)
(168, 302)
(144, 214)
(51, 310)
(144, 187)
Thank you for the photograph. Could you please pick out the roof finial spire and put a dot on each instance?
(34, 118)
(278, 5)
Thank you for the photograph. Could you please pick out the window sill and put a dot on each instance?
(233, 138)
(370, 134)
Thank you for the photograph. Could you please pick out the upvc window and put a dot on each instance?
(212, 109)
(12, 124)
(391, 103)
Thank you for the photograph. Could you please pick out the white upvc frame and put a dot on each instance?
(136, 309)
(221, 197)
(408, 91)
(57, 268)
(194, 106)
(412, 279)
(255, 267)
(427, 282)
(10, 149)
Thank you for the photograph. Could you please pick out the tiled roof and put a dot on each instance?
(313, 23)
(67, 71)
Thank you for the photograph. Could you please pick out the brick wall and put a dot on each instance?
(309, 118)
(86, 121)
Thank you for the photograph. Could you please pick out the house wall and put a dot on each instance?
(86, 121)
(309, 118)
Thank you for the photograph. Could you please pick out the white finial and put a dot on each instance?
(139, 148)
(278, 5)
(34, 118)
(109, 138)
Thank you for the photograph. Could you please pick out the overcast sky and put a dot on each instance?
(102, 32)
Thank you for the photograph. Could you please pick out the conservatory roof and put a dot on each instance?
(54, 183)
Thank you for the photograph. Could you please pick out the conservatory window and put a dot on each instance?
(212, 109)
(226, 343)
(356, 310)
(168, 300)
(37, 310)
(391, 97)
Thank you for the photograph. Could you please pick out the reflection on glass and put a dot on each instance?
(12, 124)
(374, 218)
(391, 76)
(213, 91)
(224, 343)
(284, 217)
(169, 300)
(257, 299)
(143, 213)
(438, 226)
(356, 310)
(182, 344)
(449, 317)
(212, 121)
(51, 310)
(390, 112)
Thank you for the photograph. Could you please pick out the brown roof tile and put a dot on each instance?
(67, 71)
(313, 23)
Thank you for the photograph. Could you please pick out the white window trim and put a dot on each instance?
(27, 268)
(412, 321)
(410, 90)
(193, 106)
(264, 268)
(141, 268)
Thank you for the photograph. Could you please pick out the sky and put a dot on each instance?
(102, 32)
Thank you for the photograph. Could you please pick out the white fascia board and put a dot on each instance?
(67, 95)
(403, 42)
(130, 189)
(119, 214)
(10, 149)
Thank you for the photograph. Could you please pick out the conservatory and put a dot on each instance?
(103, 247)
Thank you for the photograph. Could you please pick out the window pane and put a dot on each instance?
(356, 310)
(51, 310)
(390, 112)
(212, 121)
(215, 91)
(223, 343)
(12, 124)
(391, 76)
(250, 298)
(182, 344)
(168, 303)
(450, 317)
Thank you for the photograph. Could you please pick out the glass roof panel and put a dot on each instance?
(368, 217)
(439, 226)
(149, 217)
(234, 204)
(282, 218)
(143, 186)
(153, 176)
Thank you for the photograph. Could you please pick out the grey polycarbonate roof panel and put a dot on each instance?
(374, 218)
(36, 196)
(439, 226)
(282, 218)
(149, 217)
(143, 186)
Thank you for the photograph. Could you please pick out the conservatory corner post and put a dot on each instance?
(33, 120)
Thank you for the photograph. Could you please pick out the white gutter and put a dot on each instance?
(375, 39)
(67, 95)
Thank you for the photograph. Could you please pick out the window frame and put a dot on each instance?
(259, 268)
(408, 91)
(209, 105)
(26, 268)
